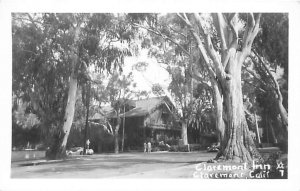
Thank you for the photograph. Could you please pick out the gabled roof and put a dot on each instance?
(142, 107)
(145, 106)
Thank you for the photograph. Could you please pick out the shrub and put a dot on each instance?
(176, 148)
(196, 147)
(172, 141)
(163, 147)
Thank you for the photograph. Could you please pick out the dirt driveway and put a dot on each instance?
(124, 165)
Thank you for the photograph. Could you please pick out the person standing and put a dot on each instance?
(88, 144)
(145, 147)
(149, 147)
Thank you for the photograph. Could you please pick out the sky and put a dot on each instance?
(153, 74)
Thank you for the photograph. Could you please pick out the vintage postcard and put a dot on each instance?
(132, 94)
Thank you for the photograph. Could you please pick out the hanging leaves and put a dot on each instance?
(43, 44)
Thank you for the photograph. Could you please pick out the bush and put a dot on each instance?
(172, 141)
(196, 147)
(160, 148)
(163, 147)
(176, 148)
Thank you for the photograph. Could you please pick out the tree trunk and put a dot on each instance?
(282, 111)
(283, 114)
(257, 130)
(238, 144)
(116, 139)
(60, 152)
(218, 108)
(69, 114)
(184, 132)
(87, 104)
(123, 133)
(116, 136)
(273, 134)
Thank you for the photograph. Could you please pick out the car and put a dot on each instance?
(75, 151)
(215, 147)
(79, 151)
(89, 151)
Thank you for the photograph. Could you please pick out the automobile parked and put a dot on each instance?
(79, 151)
(75, 151)
(215, 147)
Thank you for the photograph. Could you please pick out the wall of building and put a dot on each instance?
(159, 119)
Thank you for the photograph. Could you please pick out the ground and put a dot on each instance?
(123, 165)
(144, 165)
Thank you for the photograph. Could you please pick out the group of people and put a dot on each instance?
(147, 147)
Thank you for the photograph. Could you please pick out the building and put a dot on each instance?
(152, 119)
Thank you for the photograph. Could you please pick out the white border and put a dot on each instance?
(6, 7)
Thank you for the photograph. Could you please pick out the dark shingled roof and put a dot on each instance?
(142, 107)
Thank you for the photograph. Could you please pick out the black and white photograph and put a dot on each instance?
(150, 96)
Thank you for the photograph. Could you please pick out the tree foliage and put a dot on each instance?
(43, 46)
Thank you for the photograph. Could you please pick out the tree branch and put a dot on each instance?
(255, 77)
(178, 32)
(31, 19)
(277, 89)
(201, 48)
(212, 52)
(181, 17)
(219, 22)
(257, 65)
(250, 33)
(211, 73)
(163, 36)
(196, 36)
(262, 90)
(282, 111)
(36, 21)
(264, 65)
(228, 48)
(234, 43)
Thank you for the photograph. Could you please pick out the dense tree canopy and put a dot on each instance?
(50, 49)
(215, 62)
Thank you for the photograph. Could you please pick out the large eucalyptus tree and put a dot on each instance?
(51, 57)
(224, 62)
